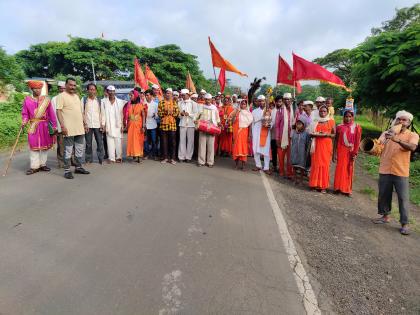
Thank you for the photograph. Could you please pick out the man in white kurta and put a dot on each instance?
(112, 123)
(188, 113)
(258, 114)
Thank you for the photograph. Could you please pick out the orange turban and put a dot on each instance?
(35, 84)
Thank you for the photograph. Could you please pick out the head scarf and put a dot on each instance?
(402, 113)
(35, 84)
(348, 130)
(135, 94)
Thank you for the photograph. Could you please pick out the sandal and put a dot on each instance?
(32, 171)
(256, 169)
(380, 220)
(404, 231)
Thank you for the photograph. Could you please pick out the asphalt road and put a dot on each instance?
(142, 239)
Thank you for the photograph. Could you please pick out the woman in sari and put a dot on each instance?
(346, 146)
(322, 132)
(241, 119)
(136, 123)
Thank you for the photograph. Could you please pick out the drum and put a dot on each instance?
(207, 127)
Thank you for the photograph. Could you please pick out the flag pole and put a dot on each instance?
(215, 79)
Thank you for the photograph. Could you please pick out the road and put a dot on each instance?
(142, 239)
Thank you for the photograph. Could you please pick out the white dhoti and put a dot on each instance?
(38, 158)
(260, 150)
(114, 148)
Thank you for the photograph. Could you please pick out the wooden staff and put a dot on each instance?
(13, 151)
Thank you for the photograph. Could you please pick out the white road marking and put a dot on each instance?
(310, 301)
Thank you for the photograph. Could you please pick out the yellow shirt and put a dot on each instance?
(71, 105)
(331, 111)
(395, 159)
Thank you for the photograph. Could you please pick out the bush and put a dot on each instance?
(10, 120)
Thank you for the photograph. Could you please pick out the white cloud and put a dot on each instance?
(249, 33)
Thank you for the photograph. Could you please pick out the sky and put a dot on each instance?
(249, 33)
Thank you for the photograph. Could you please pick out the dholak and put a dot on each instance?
(207, 127)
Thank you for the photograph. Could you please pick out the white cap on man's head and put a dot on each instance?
(287, 95)
(320, 99)
(169, 90)
(308, 103)
(194, 95)
(185, 91)
(176, 93)
(155, 86)
(208, 96)
(203, 92)
(110, 88)
(261, 97)
(61, 84)
(235, 95)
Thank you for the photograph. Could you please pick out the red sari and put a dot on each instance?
(348, 142)
(321, 157)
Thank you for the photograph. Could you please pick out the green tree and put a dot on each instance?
(339, 62)
(10, 71)
(112, 60)
(404, 18)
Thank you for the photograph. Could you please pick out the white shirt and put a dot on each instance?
(209, 113)
(256, 130)
(152, 114)
(92, 113)
(112, 116)
(54, 105)
(190, 107)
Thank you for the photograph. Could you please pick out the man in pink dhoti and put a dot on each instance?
(39, 114)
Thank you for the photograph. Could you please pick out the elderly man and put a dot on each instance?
(70, 116)
(168, 111)
(394, 168)
(206, 141)
(315, 113)
(260, 140)
(235, 103)
(38, 112)
(112, 122)
(60, 145)
(284, 122)
(307, 110)
(188, 112)
(201, 99)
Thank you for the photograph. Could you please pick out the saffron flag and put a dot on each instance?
(220, 62)
(306, 70)
(285, 75)
(150, 76)
(139, 77)
(189, 84)
(222, 80)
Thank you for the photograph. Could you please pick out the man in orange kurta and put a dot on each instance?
(136, 123)
(226, 136)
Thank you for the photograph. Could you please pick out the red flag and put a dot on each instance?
(220, 62)
(139, 77)
(306, 70)
(150, 76)
(285, 75)
(222, 80)
(189, 84)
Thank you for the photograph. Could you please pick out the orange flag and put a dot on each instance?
(220, 62)
(189, 84)
(139, 77)
(306, 70)
(150, 76)
(285, 75)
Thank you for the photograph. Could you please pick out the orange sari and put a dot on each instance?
(135, 134)
(240, 142)
(321, 157)
(343, 179)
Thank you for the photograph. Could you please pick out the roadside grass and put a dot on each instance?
(10, 120)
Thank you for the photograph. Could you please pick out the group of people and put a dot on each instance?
(299, 142)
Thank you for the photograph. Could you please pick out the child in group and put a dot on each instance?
(299, 151)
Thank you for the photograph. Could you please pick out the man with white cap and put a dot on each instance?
(175, 96)
(168, 111)
(235, 103)
(394, 168)
(206, 141)
(284, 123)
(60, 145)
(156, 93)
(112, 122)
(201, 99)
(260, 141)
(307, 110)
(315, 113)
(188, 113)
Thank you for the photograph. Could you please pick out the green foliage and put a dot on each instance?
(113, 60)
(10, 71)
(403, 18)
(10, 120)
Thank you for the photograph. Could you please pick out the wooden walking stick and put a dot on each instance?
(13, 151)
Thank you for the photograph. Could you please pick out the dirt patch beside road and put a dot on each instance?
(362, 268)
